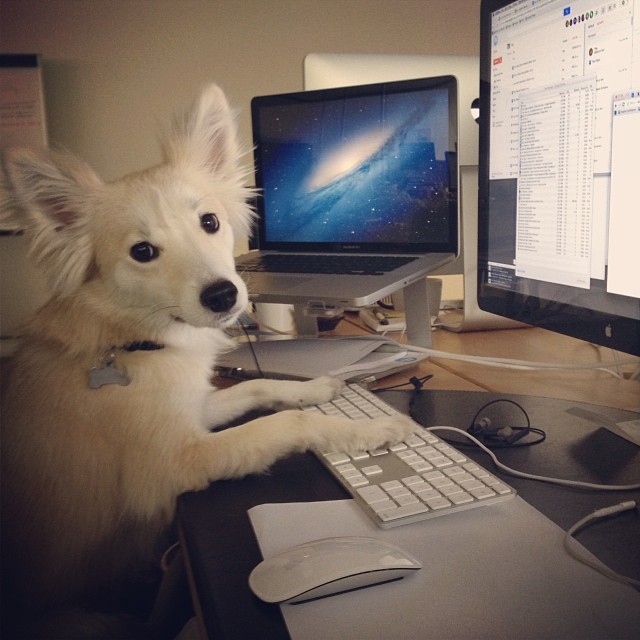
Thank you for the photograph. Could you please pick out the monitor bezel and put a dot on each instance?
(598, 327)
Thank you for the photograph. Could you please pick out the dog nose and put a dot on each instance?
(220, 296)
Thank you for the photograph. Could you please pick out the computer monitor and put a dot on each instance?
(324, 70)
(559, 187)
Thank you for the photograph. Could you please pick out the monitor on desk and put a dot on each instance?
(559, 188)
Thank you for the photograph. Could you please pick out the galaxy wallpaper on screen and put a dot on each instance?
(365, 169)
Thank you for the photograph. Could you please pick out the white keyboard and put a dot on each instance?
(422, 477)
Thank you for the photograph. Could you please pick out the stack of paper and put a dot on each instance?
(346, 358)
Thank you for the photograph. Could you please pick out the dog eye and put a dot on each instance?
(144, 252)
(209, 222)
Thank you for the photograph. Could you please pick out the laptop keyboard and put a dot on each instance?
(420, 478)
(328, 264)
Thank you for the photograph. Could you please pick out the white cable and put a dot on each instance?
(570, 544)
(521, 364)
(530, 476)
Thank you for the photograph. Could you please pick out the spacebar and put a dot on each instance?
(402, 512)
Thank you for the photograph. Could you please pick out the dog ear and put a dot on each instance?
(205, 139)
(51, 193)
(206, 135)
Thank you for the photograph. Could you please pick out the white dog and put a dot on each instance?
(108, 408)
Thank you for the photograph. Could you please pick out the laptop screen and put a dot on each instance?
(365, 169)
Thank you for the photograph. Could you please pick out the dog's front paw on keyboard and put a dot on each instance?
(321, 390)
(379, 432)
(311, 392)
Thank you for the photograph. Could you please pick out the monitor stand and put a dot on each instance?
(416, 309)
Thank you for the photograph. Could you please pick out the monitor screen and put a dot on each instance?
(369, 167)
(558, 181)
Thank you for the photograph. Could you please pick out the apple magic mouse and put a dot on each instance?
(329, 566)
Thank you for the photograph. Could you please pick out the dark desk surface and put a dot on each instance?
(221, 548)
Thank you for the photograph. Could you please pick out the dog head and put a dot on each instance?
(153, 248)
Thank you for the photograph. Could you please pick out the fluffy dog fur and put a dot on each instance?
(90, 476)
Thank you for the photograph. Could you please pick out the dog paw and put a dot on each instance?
(388, 431)
(365, 435)
(322, 390)
(302, 394)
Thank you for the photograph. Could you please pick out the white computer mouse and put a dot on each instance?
(329, 566)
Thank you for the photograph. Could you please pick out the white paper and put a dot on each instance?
(309, 358)
(22, 120)
(494, 572)
(629, 430)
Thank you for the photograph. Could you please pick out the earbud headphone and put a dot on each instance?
(496, 436)
(485, 431)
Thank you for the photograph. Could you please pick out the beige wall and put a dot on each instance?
(115, 70)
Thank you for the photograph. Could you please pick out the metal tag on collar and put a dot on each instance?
(108, 373)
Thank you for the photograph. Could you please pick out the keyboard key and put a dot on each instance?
(408, 499)
(403, 512)
(354, 473)
(384, 505)
(461, 498)
(501, 488)
(450, 489)
(372, 470)
(427, 493)
(482, 492)
(433, 475)
(397, 493)
(372, 494)
(438, 503)
(337, 458)
(442, 482)
(357, 481)
(420, 466)
(415, 441)
(469, 485)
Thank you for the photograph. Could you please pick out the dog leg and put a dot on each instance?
(226, 404)
(253, 447)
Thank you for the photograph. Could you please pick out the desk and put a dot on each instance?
(221, 549)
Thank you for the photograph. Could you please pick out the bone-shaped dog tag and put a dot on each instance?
(108, 374)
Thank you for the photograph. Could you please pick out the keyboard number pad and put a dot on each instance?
(432, 476)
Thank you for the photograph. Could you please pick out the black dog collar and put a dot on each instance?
(143, 345)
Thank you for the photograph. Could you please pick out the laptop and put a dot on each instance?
(365, 175)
